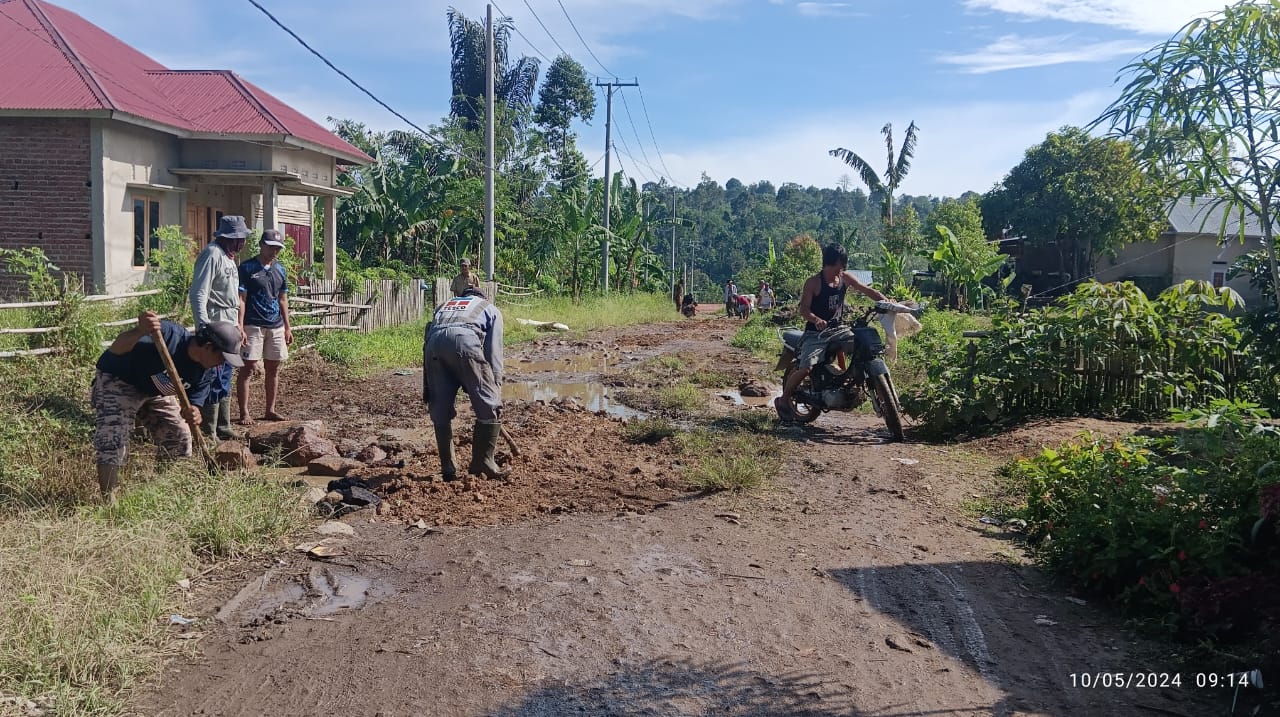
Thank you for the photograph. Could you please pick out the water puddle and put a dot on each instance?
(592, 396)
(740, 400)
(590, 362)
(336, 590)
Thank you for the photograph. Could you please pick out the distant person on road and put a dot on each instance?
(132, 385)
(215, 296)
(821, 302)
(464, 280)
(730, 297)
(766, 298)
(264, 321)
(462, 348)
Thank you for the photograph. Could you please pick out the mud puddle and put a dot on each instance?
(589, 362)
(752, 401)
(592, 396)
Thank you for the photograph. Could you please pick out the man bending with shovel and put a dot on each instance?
(462, 348)
(132, 384)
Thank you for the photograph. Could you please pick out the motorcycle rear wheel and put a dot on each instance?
(802, 412)
(887, 399)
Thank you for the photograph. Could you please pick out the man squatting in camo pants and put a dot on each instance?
(462, 348)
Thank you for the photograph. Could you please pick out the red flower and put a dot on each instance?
(1182, 555)
(1203, 524)
(1142, 580)
(1175, 588)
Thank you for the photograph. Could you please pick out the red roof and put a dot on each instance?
(53, 59)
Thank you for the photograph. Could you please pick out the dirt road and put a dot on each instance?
(857, 585)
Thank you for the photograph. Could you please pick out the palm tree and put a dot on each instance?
(513, 86)
(893, 174)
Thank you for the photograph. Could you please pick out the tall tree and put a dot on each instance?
(1203, 109)
(895, 171)
(1084, 195)
(566, 95)
(513, 83)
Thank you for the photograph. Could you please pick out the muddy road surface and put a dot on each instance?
(599, 583)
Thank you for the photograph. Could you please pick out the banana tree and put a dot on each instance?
(899, 164)
(963, 266)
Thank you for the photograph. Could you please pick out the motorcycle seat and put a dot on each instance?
(792, 338)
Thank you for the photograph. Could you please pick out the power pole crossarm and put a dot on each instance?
(608, 180)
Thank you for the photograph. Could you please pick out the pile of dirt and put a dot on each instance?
(570, 460)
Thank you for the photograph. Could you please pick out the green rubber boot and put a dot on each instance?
(209, 421)
(224, 429)
(484, 444)
(444, 442)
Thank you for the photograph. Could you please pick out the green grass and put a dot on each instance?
(760, 337)
(401, 346)
(740, 462)
(648, 430)
(85, 589)
(681, 398)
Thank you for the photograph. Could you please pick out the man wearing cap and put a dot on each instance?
(264, 320)
(464, 280)
(215, 296)
(462, 348)
(132, 385)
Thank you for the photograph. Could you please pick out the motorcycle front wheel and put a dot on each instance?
(803, 412)
(887, 399)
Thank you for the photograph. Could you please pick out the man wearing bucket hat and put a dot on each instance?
(264, 319)
(215, 296)
(132, 385)
(464, 280)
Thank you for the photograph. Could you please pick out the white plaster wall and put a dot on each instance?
(1194, 259)
(132, 154)
(1138, 259)
(225, 154)
(311, 167)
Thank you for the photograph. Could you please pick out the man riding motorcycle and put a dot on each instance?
(821, 301)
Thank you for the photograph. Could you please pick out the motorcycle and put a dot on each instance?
(852, 370)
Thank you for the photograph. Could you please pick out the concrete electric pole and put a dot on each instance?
(608, 180)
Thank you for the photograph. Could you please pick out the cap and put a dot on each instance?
(465, 262)
(271, 237)
(231, 227)
(226, 337)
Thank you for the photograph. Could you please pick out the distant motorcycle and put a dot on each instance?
(852, 370)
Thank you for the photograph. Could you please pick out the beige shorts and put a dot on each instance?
(265, 344)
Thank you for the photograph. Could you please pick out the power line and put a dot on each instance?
(521, 34)
(627, 151)
(544, 29)
(662, 161)
(1113, 266)
(636, 132)
(582, 39)
(334, 67)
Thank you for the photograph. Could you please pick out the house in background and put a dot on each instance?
(100, 145)
(1189, 248)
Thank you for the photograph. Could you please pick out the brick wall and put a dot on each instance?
(45, 193)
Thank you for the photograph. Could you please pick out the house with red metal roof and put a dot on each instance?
(100, 145)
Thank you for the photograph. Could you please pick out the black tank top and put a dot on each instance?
(829, 303)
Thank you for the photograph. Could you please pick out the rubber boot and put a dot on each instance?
(208, 421)
(484, 444)
(444, 442)
(224, 430)
(108, 481)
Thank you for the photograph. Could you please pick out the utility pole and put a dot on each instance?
(608, 180)
(489, 118)
(673, 243)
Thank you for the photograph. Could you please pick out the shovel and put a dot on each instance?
(163, 349)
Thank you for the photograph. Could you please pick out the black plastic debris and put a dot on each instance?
(356, 494)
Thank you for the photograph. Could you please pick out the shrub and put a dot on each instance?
(1157, 523)
(1104, 350)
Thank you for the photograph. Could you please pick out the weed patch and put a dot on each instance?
(648, 430)
(730, 461)
(760, 337)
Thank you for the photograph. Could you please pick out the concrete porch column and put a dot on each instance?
(269, 203)
(330, 238)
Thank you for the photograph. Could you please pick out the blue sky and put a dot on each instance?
(752, 89)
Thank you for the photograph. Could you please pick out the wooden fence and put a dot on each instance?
(374, 305)
(1114, 384)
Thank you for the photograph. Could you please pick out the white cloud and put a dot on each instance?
(1013, 52)
(1147, 16)
(827, 9)
(959, 147)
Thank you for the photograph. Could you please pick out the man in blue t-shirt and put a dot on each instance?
(132, 385)
(264, 319)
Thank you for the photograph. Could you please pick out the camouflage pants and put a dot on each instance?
(119, 405)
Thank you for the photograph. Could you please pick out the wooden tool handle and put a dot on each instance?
(163, 349)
